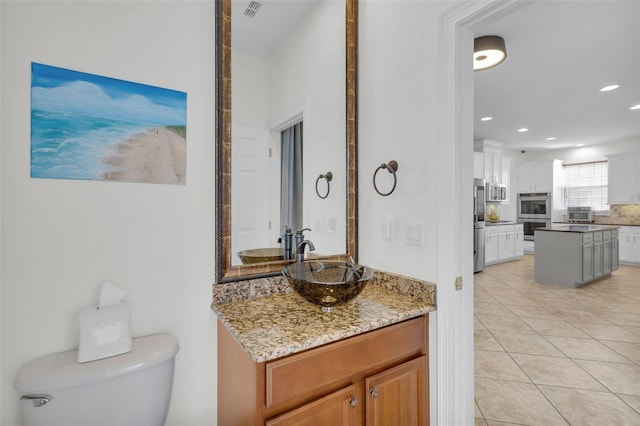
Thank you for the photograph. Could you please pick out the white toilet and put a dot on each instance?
(129, 389)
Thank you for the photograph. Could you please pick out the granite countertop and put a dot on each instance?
(500, 222)
(576, 228)
(270, 321)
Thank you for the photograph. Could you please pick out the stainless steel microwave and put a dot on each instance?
(496, 192)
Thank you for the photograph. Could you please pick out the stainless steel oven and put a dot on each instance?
(535, 205)
(529, 226)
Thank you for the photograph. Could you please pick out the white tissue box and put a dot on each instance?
(104, 332)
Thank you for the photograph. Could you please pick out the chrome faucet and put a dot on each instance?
(301, 243)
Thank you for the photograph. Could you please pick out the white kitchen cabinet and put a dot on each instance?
(503, 243)
(624, 178)
(537, 176)
(615, 253)
(490, 245)
(519, 237)
(629, 244)
(493, 167)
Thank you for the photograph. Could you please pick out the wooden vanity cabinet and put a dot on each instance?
(376, 378)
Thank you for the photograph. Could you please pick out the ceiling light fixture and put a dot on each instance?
(636, 106)
(524, 129)
(552, 138)
(579, 145)
(488, 51)
(489, 118)
(610, 88)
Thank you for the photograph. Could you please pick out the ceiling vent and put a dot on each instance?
(252, 10)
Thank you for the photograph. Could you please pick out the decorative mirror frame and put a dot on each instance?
(225, 271)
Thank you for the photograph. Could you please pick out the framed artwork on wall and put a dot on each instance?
(90, 127)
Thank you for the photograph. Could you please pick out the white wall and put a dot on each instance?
(62, 238)
(398, 64)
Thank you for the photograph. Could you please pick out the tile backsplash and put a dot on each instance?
(621, 214)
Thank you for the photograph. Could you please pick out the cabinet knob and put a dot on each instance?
(353, 402)
(373, 392)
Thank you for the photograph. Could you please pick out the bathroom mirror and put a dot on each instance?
(241, 92)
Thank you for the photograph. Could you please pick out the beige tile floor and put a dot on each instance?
(551, 355)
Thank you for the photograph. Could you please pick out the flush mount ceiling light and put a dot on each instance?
(522, 130)
(489, 118)
(637, 106)
(488, 51)
(552, 138)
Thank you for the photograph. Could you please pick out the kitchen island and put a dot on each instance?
(282, 361)
(573, 255)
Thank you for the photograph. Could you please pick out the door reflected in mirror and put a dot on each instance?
(288, 123)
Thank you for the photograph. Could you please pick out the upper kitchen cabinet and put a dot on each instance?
(489, 163)
(538, 176)
(624, 178)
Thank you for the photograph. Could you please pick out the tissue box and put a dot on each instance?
(104, 332)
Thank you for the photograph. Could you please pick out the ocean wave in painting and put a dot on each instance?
(73, 146)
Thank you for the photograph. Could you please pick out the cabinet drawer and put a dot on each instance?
(606, 235)
(597, 236)
(491, 229)
(614, 233)
(587, 238)
(301, 374)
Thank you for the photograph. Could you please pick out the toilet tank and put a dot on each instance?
(129, 389)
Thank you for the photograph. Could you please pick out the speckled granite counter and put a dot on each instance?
(270, 321)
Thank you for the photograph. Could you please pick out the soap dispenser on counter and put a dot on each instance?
(287, 237)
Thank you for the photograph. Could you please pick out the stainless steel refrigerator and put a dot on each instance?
(479, 204)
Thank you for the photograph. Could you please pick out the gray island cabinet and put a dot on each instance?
(573, 255)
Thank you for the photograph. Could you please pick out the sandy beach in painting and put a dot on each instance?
(157, 156)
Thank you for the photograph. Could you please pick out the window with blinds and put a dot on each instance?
(586, 185)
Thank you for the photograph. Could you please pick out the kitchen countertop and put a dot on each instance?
(576, 228)
(270, 321)
(500, 222)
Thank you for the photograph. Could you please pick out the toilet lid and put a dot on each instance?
(61, 370)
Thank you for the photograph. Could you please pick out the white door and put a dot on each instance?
(249, 190)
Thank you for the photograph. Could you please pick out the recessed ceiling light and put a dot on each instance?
(580, 144)
(636, 106)
(552, 138)
(610, 87)
(524, 129)
(486, 119)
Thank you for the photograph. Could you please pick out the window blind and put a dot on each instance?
(586, 185)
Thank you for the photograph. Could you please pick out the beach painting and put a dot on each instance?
(89, 127)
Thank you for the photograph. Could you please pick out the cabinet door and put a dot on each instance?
(506, 245)
(488, 167)
(623, 179)
(399, 396)
(543, 177)
(519, 237)
(606, 254)
(526, 173)
(490, 248)
(626, 246)
(615, 255)
(587, 262)
(339, 408)
(598, 260)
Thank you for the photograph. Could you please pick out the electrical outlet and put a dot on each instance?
(458, 283)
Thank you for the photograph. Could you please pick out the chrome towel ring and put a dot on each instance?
(392, 167)
(328, 177)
